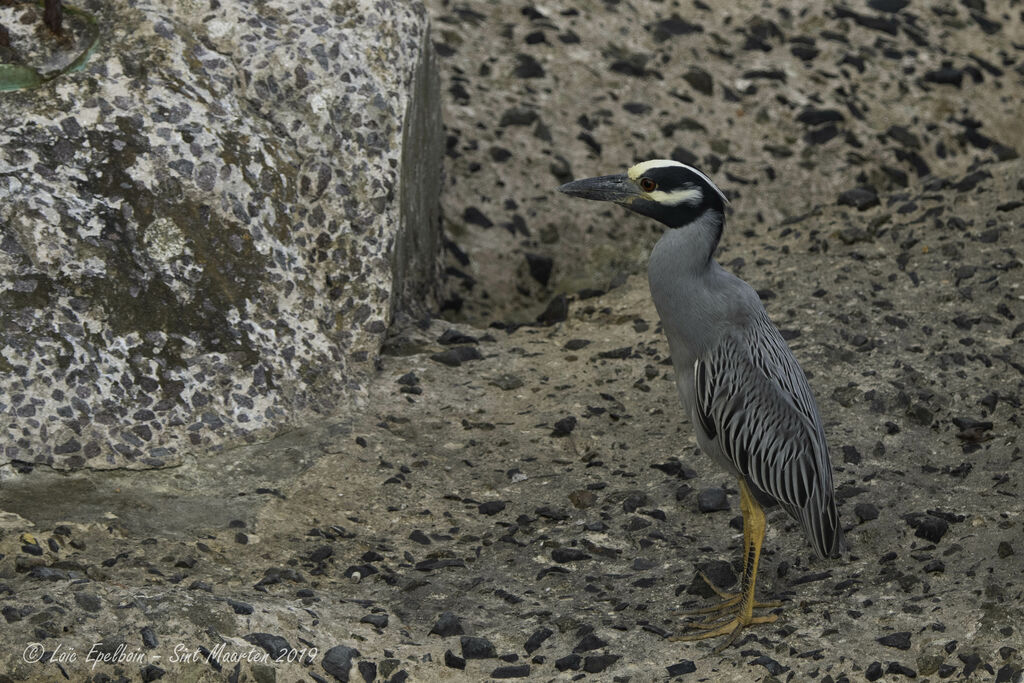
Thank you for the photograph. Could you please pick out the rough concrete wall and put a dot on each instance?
(197, 231)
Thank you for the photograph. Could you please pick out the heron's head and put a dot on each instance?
(667, 191)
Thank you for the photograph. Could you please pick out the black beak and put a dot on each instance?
(607, 188)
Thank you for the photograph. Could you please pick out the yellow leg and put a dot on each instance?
(738, 608)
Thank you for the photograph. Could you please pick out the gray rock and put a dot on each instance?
(474, 647)
(712, 499)
(230, 251)
(338, 661)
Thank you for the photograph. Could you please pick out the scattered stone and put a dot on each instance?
(900, 640)
(474, 647)
(447, 625)
(564, 426)
(556, 312)
(571, 662)
(897, 668)
(511, 671)
(860, 198)
(699, 79)
(865, 512)
(88, 601)
(536, 639)
(564, 555)
(491, 507)
(928, 527)
(712, 499)
(591, 641)
(682, 667)
(368, 670)
(239, 607)
(338, 661)
(378, 620)
(540, 267)
(595, 664)
(450, 337)
(275, 646)
(453, 661)
(458, 355)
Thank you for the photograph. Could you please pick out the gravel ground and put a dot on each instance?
(525, 500)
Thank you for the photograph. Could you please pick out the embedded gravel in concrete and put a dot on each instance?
(533, 511)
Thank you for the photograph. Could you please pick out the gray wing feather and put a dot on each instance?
(752, 396)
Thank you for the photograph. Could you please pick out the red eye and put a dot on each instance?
(648, 185)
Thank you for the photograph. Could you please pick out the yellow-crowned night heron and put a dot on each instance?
(746, 396)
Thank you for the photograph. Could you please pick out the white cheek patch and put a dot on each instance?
(687, 195)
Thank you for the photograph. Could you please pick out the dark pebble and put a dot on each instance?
(819, 136)
(474, 647)
(699, 79)
(673, 26)
(719, 572)
(239, 607)
(929, 527)
(888, 5)
(540, 267)
(528, 67)
(151, 673)
(947, 75)
(576, 344)
(1004, 550)
(686, 666)
(368, 670)
(569, 662)
(491, 507)
(149, 638)
(595, 664)
(774, 668)
(338, 661)
(456, 356)
(874, 671)
(418, 536)
(48, 574)
(448, 338)
(712, 499)
(897, 668)
(860, 198)
(564, 426)
(89, 602)
(513, 671)
(589, 642)
(275, 646)
(900, 641)
(814, 117)
(321, 553)
(536, 639)
(474, 216)
(378, 620)
(563, 555)
(453, 661)
(617, 354)
(865, 511)
(556, 312)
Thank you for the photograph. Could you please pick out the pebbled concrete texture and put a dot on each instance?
(207, 231)
(526, 500)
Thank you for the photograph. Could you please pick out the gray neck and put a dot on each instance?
(694, 296)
